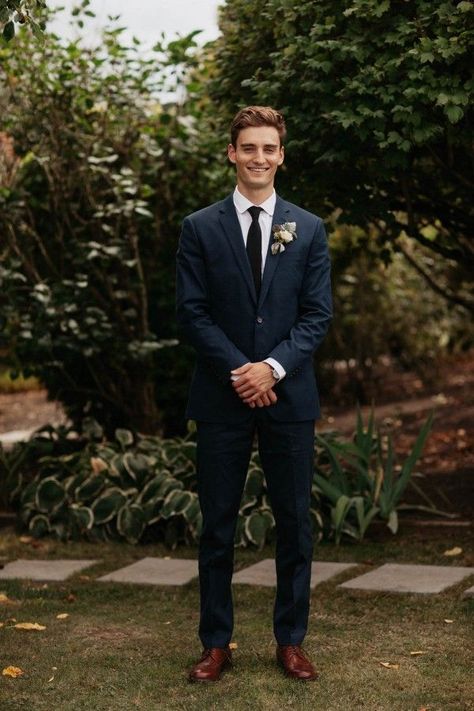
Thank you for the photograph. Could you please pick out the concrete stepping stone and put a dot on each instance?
(264, 573)
(43, 569)
(14, 436)
(396, 577)
(469, 592)
(155, 571)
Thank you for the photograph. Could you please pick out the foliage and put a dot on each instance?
(136, 487)
(17, 384)
(385, 310)
(378, 100)
(21, 12)
(130, 488)
(96, 174)
(362, 481)
(141, 488)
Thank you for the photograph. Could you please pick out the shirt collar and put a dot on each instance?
(242, 203)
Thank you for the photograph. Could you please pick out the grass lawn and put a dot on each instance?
(129, 647)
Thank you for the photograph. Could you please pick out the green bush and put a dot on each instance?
(96, 174)
(143, 488)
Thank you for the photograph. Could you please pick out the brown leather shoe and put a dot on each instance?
(213, 661)
(295, 663)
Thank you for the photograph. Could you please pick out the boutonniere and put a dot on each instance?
(282, 235)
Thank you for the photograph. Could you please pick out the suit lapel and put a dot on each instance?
(272, 260)
(230, 223)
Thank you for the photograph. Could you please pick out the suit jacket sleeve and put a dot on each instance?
(193, 313)
(315, 307)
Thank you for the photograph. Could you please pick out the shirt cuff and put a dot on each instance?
(276, 366)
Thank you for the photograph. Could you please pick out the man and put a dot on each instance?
(254, 299)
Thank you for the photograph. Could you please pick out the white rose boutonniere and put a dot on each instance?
(282, 235)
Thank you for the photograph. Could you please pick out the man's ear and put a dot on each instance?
(282, 155)
(231, 153)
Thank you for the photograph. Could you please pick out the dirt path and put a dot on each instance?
(28, 410)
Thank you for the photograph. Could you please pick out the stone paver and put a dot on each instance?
(43, 569)
(396, 577)
(263, 572)
(10, 438)
(469, 592)
(155, 571)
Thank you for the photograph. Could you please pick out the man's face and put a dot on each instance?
(257, 155)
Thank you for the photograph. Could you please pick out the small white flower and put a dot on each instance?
(286, 236)
(283, 234)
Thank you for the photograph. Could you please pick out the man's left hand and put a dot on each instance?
(254, 380)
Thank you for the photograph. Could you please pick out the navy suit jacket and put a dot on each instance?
(218, 310)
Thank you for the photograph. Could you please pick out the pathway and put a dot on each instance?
(389, 577)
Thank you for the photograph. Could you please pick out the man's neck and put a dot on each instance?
(255, 196)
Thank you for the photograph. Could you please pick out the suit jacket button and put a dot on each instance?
(259, 319)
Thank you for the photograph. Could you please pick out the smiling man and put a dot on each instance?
(254, 299)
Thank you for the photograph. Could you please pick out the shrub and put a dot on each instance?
(96, 174)
(143, 488)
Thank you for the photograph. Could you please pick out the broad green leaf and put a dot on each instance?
(50, 495)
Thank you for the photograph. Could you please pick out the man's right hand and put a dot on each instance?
(268, 398)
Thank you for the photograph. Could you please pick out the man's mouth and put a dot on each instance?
(257, 170)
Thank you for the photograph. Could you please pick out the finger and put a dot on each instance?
(242, 369)
(249, 393)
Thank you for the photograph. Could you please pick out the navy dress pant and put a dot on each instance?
(286, 454)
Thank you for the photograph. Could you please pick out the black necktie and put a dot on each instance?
(254, 247)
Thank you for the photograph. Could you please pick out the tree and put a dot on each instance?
(21, 12)
(378, 97)
(96, 174)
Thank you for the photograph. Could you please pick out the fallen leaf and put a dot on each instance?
(413, 654)
(84, 577)
(37, 544)
(167, 623)
(12, 671)
(51, 678)
(54, 668)
(62, 616)
(453, 551)
(2, 624)
(25, 539)
(167, 557)
(71, 597)
(29, 626)
(449, 622)
(233, 645)
(390, 665)
(98, 465)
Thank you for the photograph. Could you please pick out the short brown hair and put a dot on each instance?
(257, 116)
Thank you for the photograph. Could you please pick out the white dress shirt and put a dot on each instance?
(265, 218)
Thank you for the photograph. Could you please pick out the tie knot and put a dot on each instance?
(254, 212)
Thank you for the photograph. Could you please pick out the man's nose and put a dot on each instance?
(259, 156)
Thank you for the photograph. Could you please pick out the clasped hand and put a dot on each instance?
(255, 383)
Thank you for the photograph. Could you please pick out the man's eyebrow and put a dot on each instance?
(252, 145)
